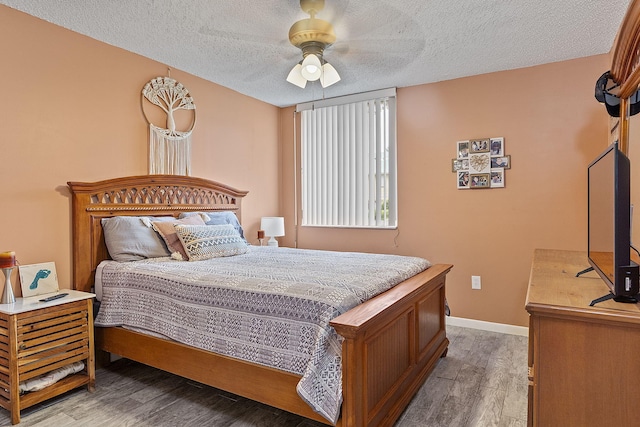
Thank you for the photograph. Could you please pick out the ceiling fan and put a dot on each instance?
(312, 36)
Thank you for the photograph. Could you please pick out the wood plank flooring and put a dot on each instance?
(482, 382)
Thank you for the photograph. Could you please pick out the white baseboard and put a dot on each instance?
(487, 326)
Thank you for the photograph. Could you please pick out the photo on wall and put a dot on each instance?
(463, 179)
(463, 149)
(480, 180)
(459, 164)
(479, 145)
(497, 178)
(503, 162)
(497, 147)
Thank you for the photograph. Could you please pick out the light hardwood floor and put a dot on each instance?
(482, 382)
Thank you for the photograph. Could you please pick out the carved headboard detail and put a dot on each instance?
(163, 195)
(136, 195)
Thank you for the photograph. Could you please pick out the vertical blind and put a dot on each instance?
(349, 164)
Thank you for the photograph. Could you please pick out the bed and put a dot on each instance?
(390, 343)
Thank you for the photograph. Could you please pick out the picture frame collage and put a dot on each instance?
(480, 163)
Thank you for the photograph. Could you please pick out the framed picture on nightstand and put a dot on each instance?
(38, 279)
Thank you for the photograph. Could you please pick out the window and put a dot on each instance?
(348, 167)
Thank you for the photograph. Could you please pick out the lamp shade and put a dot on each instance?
(273, 226)
(296, 78)
(311, 67)
(329, 75)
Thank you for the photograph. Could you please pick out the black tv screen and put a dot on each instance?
(609, 240)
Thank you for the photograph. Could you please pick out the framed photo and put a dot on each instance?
(479, 180)
(497, 147)
(479, 145)
(463, 149)
(459, 164)
(503, 162)
(497, 178)
(463, 179)
(38, 279)
(479, 163)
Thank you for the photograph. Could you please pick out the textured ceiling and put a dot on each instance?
(243, 44)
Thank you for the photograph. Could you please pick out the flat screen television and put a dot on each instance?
(609, 237)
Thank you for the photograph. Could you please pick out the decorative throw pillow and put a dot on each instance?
(218, 218)
(167, 231)
(130, 238)
(210, 241)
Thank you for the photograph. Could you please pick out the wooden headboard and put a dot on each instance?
(153, 195)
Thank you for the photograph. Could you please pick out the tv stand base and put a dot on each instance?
(586, 270)
(620, 298)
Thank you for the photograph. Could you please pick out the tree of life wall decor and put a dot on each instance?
(480, 163)
(169, 148)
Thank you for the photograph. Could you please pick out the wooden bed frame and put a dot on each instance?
(392, 342)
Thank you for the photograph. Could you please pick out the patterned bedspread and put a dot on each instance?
(270, 306)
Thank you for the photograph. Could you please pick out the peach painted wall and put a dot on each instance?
(553, 127)
(71, 112)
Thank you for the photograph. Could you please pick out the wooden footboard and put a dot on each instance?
(392, 342)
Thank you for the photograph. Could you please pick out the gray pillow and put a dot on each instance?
(131, 238)
(219, 218)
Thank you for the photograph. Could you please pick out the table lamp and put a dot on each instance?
(273, 227)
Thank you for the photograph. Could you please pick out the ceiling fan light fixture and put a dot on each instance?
(329, 75)
(311, 68)
(312, 36)
(295, 77)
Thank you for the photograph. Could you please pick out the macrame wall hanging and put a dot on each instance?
(169, 148)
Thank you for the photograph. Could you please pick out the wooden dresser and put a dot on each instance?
(584, 362)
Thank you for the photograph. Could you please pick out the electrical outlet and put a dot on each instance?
(475, 282)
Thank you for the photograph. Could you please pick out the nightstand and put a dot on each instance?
(39, 337)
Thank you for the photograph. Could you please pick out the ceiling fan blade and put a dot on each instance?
(216, 33)
(350, 48)
(376, 25)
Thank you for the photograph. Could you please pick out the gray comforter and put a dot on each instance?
(270, 306)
